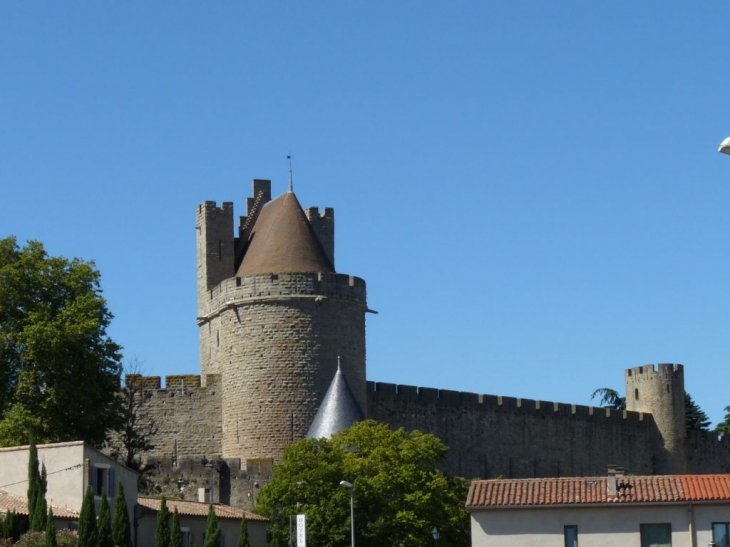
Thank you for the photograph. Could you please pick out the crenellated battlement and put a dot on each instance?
(211, 208)
(467, 401)
(239, 291)
(648, 372)
(176, 382)
(324, 226)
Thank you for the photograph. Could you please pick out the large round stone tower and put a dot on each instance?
(274, 316)
(661, 393)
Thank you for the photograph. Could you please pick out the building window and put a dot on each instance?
(186, 537)
(656, 535)
(571, 536)
(102, 479)
(721, 534)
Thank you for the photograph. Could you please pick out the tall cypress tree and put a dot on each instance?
(41, 507)
(10, 526)
(87, 521)
(243, 537)
(120, 525)
(34, 487)
(162, 534)
(176, 539)
(50, 531)
(104, 524)
(212, 531)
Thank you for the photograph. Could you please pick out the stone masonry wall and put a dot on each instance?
(661, 392)
(280, 338)
(491, 436)
(331, 289)
(184, 416)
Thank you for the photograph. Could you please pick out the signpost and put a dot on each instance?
(301, 531)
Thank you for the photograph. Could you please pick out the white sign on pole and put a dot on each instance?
(301, 531)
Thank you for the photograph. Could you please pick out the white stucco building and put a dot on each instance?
(71, 468)
(610, 511)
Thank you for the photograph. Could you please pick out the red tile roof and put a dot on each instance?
(594, 490)
(283, 241)
(198, 509)
(19, 504)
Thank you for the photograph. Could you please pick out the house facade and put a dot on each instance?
(193, 522)
(71, 468)
(609, 511)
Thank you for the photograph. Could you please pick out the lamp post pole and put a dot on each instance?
(351, 487)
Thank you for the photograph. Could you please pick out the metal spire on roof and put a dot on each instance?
(291, 177)
(339, 409)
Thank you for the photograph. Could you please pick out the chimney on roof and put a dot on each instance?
(620, 472)
(612, 480)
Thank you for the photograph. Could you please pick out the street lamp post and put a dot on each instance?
(436, 535)
(725, 146)
(351, 487)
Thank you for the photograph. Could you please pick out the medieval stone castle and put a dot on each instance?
(274, 318)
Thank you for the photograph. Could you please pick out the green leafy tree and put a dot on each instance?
(399, 495)
(104, 524)
(695, 418)
(724, 425)
(51, 540)
(162, 533)
(136, 425)
(120, 525)
(243, 536)
(212, 530)
(176, 539)
(53, 337)
(609, 398)
(87, 521)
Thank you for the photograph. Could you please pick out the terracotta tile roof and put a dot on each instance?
(283, 241)
(594, 490)
(19, 504)
(197, 509)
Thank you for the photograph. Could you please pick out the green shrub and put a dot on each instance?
(67, 538)
(32, 539)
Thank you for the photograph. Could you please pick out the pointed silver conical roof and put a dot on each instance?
(339, 410)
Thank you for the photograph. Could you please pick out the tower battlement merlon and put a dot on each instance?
(647, 371)
(214, 240)
(323, 225)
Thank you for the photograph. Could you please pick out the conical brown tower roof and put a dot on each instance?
(283, 241)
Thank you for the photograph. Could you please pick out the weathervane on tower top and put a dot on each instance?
(291, 177)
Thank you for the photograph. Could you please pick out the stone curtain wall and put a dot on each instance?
(185, 416)
(489, 436)
(707, 452)
(493, 436)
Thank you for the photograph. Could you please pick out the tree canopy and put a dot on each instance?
(59, 369)
(695, 418)
(724, 425)
(399, 495)
(609, 398)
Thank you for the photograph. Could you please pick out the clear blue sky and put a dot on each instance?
(531, 189)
